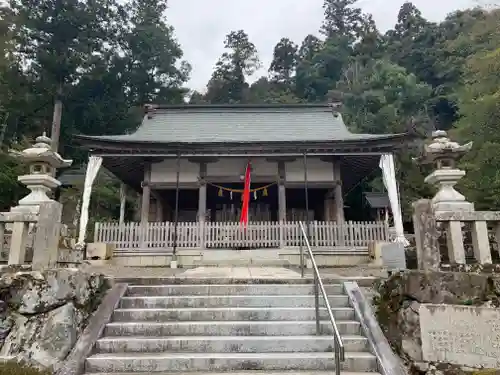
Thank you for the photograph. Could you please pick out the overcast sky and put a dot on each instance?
(201, 25)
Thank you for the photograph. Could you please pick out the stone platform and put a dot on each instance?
(347, 273)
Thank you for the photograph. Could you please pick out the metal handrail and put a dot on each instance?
(318, 286)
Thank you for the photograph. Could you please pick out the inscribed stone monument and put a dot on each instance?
(393, 256)
(461, 335)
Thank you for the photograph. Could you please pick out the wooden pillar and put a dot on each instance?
(281, 201)
(339, 203)
(146, 194)
(123, 199)
(329, 206)
(281, 192)
(159, 209)
(328, 210)
(202, 203)
(339, 199)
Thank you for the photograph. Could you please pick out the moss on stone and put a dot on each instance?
(14, 368)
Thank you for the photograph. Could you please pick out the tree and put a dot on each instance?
(57, 39)
(431, 52)
(413, 40)
(98, 104)
(321, 67)
(310, 46)
(152, 55)
(381, 97)
(284, 61)
(228, 84)
(271, 92)
(342, 18)
(479, 101)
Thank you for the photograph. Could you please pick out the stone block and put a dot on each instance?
(460, 335)
(100, 250)
(375, 253)
(72, 256)
(393, 256)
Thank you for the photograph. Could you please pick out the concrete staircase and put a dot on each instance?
(235, 328)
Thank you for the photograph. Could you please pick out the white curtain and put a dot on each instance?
(123, 197)
(92, 169)
(389, 175)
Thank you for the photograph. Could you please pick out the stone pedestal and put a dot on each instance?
(40, 185)
(447, 198)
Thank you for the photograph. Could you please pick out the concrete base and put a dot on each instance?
(100, 250)
(445, 206)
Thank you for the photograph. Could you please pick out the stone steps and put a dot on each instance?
(217, 326)
(229, 314)
(213, 282)
(176, 362)
(229, 301)
(227, 290)
(254, 372)
(229, 328)
(225, 344)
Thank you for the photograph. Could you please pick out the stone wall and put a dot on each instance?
(43, 313)
(398, 301)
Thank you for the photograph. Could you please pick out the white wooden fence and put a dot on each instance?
(160, 236)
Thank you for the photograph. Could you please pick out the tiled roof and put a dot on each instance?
(241, 124)
(377, 200)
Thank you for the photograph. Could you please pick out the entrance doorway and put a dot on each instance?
(224, 205)
(224, 211)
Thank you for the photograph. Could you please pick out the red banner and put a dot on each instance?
(246, 196)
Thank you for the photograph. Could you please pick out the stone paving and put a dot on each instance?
(234, 272)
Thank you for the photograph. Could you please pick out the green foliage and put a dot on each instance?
(381, 96)
(14, 368)
(152, 54)
(227, 84)
(343, 18)
(284, 62)
(10, 190)
(105, 60)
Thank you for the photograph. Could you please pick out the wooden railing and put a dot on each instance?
(157, 236)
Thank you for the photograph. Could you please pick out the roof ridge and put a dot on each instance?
(153, 107)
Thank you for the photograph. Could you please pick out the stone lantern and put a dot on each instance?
(43, 162)
(444, 154)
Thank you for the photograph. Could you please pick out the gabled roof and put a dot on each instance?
(377, 200)
(215, 124)
(76, 176)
